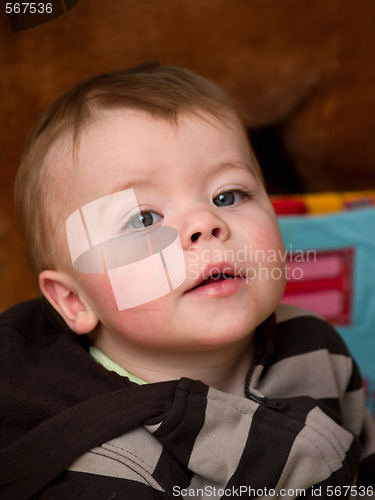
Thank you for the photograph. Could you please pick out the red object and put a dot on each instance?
(289, 206)
(323, 285)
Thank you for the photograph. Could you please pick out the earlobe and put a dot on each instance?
(61, 292)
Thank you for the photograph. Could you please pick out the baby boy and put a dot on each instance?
(175, 371)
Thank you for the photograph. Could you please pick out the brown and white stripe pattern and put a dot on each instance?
(304, 428)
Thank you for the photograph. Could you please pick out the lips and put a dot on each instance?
(214, 278)
(214, 273)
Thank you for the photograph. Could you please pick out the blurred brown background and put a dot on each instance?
(303, 70)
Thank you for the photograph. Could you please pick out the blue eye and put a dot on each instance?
(142, 220)
(228, 198)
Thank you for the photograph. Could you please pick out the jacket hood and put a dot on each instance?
(60, 403)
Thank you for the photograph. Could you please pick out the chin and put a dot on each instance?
(223, 332)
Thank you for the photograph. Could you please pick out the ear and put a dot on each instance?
(62, 293)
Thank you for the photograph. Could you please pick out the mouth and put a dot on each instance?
(214, 278)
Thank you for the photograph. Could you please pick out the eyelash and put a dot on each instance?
(246, 193)
(134, 213)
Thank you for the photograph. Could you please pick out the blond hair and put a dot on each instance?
(160, 90)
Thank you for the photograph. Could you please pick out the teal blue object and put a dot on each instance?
(348, 229)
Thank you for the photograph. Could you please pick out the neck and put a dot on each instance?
(224, 368)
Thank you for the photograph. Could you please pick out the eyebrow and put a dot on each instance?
(233, 165)
(140, 182)
(146, 182)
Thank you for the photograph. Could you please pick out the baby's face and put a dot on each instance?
(199, 178)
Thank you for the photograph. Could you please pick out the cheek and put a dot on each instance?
(138, 322)
(276, 263)
(98, 292)
(148, 325)
(262, 233)
(267, 257)
(273, 254)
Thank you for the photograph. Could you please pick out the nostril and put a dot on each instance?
(195, 236)
(215, 232)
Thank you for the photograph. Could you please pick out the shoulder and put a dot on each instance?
(310, 358)
(306, 341)
(30, 317)
(15, 312)
(304, 331)
(28, 330)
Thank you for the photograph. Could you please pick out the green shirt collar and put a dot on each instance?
(110, 365)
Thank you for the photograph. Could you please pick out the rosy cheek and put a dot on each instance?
(104, 296)
(99, 291)
(147, 325)
(141, 320)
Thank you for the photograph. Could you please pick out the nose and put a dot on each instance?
(203, 225)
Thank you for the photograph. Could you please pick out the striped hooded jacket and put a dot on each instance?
(73, 430)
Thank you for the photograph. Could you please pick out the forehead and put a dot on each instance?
(121, 148)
